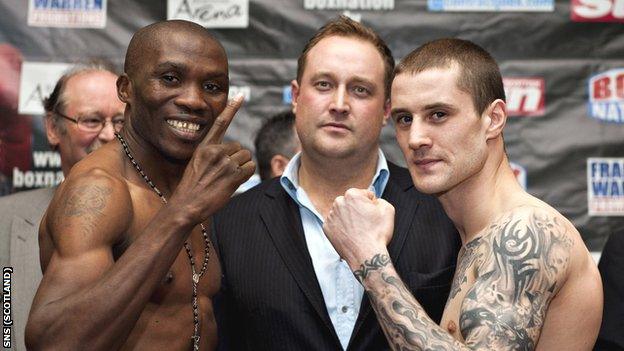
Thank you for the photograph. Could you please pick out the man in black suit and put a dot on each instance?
(284, 286)
(611, 268)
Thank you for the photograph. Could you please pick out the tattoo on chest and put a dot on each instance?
(469, 255)
(516, 282)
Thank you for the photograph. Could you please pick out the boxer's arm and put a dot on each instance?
(87, 300)
(506, 307)
(526, 260)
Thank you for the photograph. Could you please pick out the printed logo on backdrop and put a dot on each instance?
(606, 96)
(525, 96)
(67, 14)
(520, 173)
(605, 186)
(211, 13)
(375, 5)
(45, 173)
(245, 90)
(597, 10)
(491, 5)
(36, 83)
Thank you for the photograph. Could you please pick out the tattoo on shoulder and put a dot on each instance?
(87, 199)
(86, 204)
(518, 278)
(376, 262)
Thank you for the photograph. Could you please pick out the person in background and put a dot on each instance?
(81, 114)
(276, 143)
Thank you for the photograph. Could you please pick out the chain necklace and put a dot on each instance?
(195, 276)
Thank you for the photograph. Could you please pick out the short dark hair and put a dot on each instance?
(345, 27)
(275, 137)
(57, 100)
(479, 74)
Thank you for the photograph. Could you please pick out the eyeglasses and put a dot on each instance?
(92, 124)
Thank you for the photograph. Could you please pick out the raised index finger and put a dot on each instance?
(221, 123)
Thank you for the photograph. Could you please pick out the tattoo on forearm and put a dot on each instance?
(378, 261)
(518, 263)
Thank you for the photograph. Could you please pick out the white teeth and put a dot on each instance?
(183, 126)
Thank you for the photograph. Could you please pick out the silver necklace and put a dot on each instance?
(195, 276)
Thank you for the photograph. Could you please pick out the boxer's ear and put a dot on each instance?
(124, 88)
(494, 118)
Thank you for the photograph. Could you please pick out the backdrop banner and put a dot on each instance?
(562, 62)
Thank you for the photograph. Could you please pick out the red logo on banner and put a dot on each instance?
(606, 96)
(597, 10)
(525, 96)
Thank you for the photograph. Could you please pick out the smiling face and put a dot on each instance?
(339, 102)
(89, 95)
(177, 91)
(443, 138)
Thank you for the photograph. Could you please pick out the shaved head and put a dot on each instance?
(150, 38)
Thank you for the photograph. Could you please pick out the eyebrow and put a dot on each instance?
(170, 65)
(439, 105)
(399, 110)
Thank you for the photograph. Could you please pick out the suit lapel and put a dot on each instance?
(26, 274)
(281, 216)
(405, 206)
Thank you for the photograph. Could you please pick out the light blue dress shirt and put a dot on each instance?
(341, 290)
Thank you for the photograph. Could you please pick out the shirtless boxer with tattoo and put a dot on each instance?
(524, 278)
(132, 266)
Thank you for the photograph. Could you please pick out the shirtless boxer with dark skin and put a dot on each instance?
(124, 254)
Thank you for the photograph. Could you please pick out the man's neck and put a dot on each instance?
(325, 179)
(162, 172)
(476, 202)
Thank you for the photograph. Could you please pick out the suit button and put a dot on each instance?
(344, 309)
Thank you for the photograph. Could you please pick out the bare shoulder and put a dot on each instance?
(535, 241)
(93, 205)
(526, 258)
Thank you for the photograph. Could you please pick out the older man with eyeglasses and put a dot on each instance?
(82, 113)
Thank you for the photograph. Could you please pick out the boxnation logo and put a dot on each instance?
(606, 96)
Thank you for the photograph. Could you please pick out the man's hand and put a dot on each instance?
(359, 226)
(215, 171)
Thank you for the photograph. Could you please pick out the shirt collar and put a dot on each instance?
(290, 178)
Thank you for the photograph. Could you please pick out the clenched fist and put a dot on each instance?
(359, 226)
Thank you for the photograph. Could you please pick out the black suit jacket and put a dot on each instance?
(611, 268)
(271, 299)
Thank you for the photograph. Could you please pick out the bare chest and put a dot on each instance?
(465, 276)
(196, 260)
